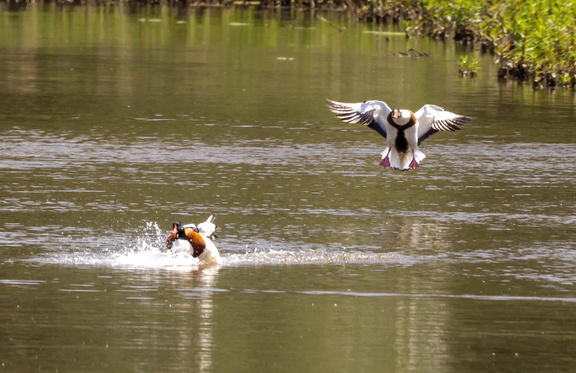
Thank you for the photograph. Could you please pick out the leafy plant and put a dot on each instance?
(530, 38)
(468, 66)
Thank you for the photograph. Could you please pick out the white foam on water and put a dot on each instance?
(147, 252)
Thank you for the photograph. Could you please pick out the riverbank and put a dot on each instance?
(533, 40)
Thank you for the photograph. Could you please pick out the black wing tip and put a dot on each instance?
(337, 105)
(454, 124)
(333, 105)
(462, 121)
(347, 113)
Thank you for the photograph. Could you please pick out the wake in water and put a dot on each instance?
(147, 252)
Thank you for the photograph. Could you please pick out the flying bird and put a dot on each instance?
(403, 129)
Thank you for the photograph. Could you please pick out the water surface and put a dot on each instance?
(116, 121)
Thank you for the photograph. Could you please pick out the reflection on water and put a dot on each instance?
(118, 121)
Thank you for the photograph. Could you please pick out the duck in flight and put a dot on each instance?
(403, 129)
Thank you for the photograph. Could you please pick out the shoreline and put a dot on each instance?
(532, 41)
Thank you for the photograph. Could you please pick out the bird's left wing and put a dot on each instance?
(371, 113)
(432, 118)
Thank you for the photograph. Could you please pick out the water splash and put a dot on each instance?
(308, 256)
(146, 251)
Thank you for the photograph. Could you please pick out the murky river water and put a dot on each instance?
(114, 122)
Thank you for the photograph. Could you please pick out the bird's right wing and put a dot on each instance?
(371, 113)
(433, 118)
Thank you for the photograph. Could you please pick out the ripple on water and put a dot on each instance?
(149, 257)
(147, 253)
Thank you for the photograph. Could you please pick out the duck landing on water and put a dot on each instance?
(403, 129)
(195, 240)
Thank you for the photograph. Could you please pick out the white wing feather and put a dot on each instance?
(371, 113)
(433, 118)
(207, 228)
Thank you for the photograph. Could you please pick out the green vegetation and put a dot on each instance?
(468, 66)
(533, 40)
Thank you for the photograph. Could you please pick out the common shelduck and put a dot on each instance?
(195, 240)
(404, 130)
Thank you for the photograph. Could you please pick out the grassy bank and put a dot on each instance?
(533, 40)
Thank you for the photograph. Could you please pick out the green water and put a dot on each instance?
(116, 121)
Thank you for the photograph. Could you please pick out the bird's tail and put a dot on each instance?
(402, 161)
